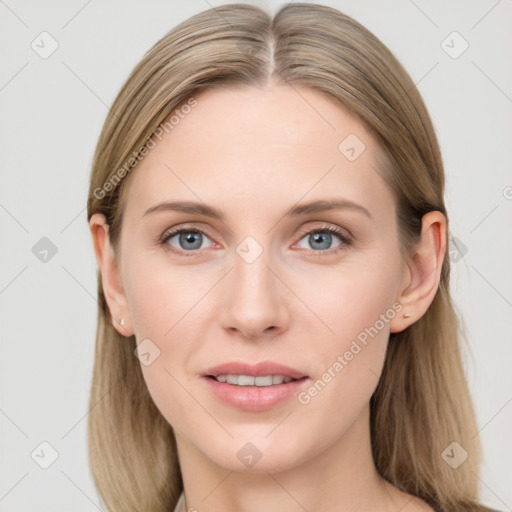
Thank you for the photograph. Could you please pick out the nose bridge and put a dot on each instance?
(253, 301)
(252, 279)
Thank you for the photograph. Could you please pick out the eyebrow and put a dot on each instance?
(320, 205)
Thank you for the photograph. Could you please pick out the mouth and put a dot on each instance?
(254, 387)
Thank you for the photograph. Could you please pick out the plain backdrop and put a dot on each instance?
(52, 110)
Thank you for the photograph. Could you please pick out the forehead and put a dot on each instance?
(261, 144)
(273, 116)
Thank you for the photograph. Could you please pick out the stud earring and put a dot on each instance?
(121, 321)
(406, 315)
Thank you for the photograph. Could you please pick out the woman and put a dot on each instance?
(239, 366)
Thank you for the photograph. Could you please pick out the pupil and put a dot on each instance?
(318, 238)
(188, 238)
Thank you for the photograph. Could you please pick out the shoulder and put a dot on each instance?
(418, 505)
(409, 503)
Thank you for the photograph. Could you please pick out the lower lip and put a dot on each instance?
(255, 398)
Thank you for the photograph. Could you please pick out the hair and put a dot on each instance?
(422, 401)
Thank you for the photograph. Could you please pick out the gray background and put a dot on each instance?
(52, 110)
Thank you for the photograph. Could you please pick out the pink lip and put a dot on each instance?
(254, 398)
(256, 370)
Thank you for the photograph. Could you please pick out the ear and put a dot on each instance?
(422, 272)
(110, 275)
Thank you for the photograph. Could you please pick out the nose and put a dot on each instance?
(254, 300)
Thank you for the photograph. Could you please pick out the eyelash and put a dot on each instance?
(346, 240)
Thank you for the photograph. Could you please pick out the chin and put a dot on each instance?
(251, 458)
(263, 466)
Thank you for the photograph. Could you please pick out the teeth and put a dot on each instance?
(249, 380)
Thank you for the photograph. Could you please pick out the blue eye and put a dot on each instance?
(190, 241)
(321, 239)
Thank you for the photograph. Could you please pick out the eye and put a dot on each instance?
(188, 240)
(321, 239)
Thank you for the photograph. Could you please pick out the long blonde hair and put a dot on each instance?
(422, 402)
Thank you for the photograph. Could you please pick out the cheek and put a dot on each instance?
(352, 298)
(356, 305)
(159, 296)
(167, 319)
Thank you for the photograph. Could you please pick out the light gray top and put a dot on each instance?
(180, 505)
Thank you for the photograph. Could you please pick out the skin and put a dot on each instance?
(254, 153)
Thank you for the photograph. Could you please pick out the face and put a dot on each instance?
(314, 289)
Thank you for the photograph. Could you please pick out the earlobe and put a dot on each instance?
(110, 275)
(423, 271)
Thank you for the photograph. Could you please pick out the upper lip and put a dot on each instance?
(255, 370)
